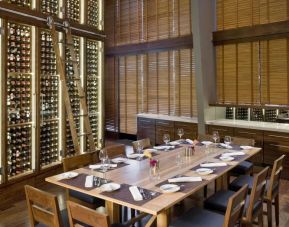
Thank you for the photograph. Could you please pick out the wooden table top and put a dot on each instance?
(137, 173)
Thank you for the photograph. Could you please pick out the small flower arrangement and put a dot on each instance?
(153, 162)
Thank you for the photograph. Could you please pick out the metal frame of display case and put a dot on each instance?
(81, 28)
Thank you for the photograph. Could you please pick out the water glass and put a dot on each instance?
(105, 167)
(215, 136)
(139, 148)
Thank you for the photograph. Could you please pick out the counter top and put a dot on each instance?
(265, 126)
(169, 118)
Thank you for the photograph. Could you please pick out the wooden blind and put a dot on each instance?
(253, 72)
(138, 21)
(158, 83)
(240, 13)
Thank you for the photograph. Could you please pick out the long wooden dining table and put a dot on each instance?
(136, 173)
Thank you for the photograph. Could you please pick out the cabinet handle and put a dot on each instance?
(274, 145)
(276, 136)
(250, 133)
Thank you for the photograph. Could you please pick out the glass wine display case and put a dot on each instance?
(35, 130)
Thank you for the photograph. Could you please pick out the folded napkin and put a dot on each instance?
(98, 166)
(175, 143)
(225, 146)
(207, 142)
(135, 193)
(184, 179)
(190, 141)
(118, 160)
(237, 153)
(88, 181)
(134, 155)
(213, 164)
(246, 147)
(163, 147)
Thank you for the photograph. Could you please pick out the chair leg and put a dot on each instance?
(269, 213)
(260, 219)
(276, 200)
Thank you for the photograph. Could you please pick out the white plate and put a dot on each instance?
(207, 143)
(118, 160)
(174, 143)
(204, 171)
(226, 158)
(109, 187)
(133, 155)
(169, 188)
(69, 175)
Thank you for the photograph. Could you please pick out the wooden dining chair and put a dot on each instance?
(245, 167)
(115, 150)
(254, 203)
(76, 162)
(197, 217)
(272, 195)
(43, 208)
(78, 214)
(146, 143)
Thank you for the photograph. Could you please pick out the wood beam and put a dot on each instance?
(153, 46)
(274, 30)
(31, 17)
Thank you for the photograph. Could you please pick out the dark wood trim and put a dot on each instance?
(286, 107)
(153, 46)
(274, 30)
(31, 17)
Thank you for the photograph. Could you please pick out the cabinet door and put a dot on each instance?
(275, 145)
(146, 129)
(164, 127)
(223, 131)
(252, 134)
(190, 130)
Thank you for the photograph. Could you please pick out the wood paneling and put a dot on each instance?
(146, 128)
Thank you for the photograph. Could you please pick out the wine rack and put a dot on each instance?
(49, 7)
(25, 3)
(72, 10)
(19, 48)
(74, 97)
(229, 113)
(257, 114)
(92, 86)
(49, 102)
(93, 13)
(242, 113)
(270, 115)
(49, 143)
(19, 150)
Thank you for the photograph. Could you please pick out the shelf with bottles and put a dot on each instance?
(19, 155)
(70, 151)
(50, 7)
(49, 151)
(73, 10)
(24, 3)
(257, 114)
(93, 13)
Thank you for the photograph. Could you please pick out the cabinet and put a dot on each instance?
(146, 128)
(190, 130)
(252, 134)
(223, 131)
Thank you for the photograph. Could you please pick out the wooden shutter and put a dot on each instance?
(152, 84)
(122, 95)
(163, 83)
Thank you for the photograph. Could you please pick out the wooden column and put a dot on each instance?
(203, 24)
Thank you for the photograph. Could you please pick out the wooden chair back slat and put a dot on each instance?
(243, 141)
(146, 143)
(79, 213)
(115, 150)
(75, 162)
(42, 207)
(235, 207)
(257, 194)
(275, 177)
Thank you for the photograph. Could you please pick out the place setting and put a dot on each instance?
(142, 154)
(207, 168)
(132, 194)
(168, 146)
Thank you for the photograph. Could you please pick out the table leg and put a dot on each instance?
(113, 211)
(222, 182)
(162, 219)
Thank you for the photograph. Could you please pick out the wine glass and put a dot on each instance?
(180, 132)
(105, 167)
(215, 136)
(227, 140)
(102, 156)
(139, 148)
(166, 139)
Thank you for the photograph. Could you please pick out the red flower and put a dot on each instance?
(153, 162)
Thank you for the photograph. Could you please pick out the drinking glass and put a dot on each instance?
(105, 167)
(166, 138)
(102, 156)
(139, 148)
(227, 140)
(215, 136)
(180, 132)
(179, 160)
